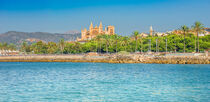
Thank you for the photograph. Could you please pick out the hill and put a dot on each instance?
(18, 37)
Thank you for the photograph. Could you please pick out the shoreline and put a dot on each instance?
(112, 58)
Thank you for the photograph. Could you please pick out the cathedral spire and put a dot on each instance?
(100, 28)
(91, 27)
(151, 31)
(105, 30)
(100, 24)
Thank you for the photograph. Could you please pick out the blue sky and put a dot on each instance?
(126, 15)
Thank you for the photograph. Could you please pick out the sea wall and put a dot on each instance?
(113, 58)
(160, 59)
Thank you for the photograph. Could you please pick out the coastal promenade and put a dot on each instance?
(111, 58)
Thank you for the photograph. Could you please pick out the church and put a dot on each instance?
(94, 31)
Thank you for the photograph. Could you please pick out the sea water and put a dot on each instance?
(88, 82)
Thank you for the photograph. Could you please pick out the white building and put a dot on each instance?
(8, 52)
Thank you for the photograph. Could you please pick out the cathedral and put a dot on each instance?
(94, 31)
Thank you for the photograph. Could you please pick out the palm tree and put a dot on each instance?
(5, 46)
(98, 38)
(77, 47)
(1, 46)
(125, 42)
(106, 39)
(51, 47)
(185, 30)
(11, 47)
(198, 28)
(116, 38)
(135, 34)
(23, 47)
(62, 44)
(141, 41)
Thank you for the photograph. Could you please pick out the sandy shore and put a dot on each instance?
(113, 58)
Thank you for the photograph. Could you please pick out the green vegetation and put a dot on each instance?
(185, 42)
(185, 30)
(135, 35)
(6, 46)
(198, 28)
(117, 43)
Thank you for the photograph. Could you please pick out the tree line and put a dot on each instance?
(184, 42)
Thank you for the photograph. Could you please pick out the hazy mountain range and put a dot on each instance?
(72, 32)
(18, 37)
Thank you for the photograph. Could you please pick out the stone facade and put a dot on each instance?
(94, 31)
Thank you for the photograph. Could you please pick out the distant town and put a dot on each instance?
(110, 30)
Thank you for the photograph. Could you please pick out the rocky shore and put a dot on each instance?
(109, 58)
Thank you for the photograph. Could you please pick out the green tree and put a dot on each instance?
(125, 41)
(98, 39)
(12, 47)
(24, 46)
(61, 45)
(198, 28)
(185, 30)
(106, 40)
(116, 39)
(135, 35)
(52, 48)
(39, 48)
(5, 46)
(1, 46)
(141, 41)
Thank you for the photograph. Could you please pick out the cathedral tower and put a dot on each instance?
(95, 31)
(91, 27)
(151, 31)
(100, 28)
(111, 30)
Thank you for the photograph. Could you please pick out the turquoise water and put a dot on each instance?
(76, 82)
